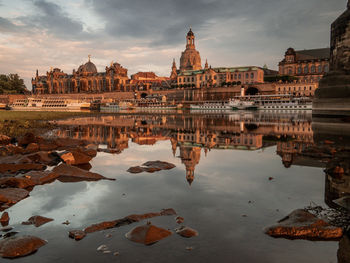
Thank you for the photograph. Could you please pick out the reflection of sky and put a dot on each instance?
(225, 181)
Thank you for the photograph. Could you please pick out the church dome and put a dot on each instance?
(88, 67)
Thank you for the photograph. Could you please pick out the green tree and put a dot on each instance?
(11, 84)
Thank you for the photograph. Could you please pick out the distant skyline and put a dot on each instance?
(145, 35)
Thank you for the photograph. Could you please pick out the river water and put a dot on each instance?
(235, 174)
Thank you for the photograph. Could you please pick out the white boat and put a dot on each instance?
(242, 104)
(32, 104)
(212, 105)
(110, 107)
(281, 102)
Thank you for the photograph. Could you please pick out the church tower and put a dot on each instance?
(173, 74)
(190, 58)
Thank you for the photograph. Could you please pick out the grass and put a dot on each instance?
(17, 123)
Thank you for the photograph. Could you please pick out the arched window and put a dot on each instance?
(246, 75)
(306, 69)
(252, 75)
(319, 69)
(313, 69)
(299, 70)
(290, 72)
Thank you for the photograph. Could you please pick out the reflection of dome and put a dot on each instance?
(88, 67)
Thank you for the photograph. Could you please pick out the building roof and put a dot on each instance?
(311, 54)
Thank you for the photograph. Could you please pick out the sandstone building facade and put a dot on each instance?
(307, 65)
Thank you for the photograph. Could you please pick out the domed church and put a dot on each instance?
(190, 58)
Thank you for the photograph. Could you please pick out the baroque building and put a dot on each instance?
(190, 58)
(307, 65)
(85, 79)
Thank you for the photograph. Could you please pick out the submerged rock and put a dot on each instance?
(20, 246)
(4, 140)
(186, 231)
(5, 219)
(159, 165)
(21, 168)
(12, 195)
(42, 157)
(77, 234)
(16, 182)
(68, 173)
(121, 222)
(151, 167)
(41, 177)
(179, 220)
(301, 224)
(37, 221)
(147, 234)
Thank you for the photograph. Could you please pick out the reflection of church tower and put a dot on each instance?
(173, 145)
(190, 157)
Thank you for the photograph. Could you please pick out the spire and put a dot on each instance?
(89, 56)
(174, 64)
(37, 73)
(206, 64)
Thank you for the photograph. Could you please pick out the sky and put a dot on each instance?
(145, 35)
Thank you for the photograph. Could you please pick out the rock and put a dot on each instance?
(343, 202)
(66, 223)
(70, 173)
(32, 148)
(6, 229)
(21, 168)
(189, 248)
(12, 195)
(4, 219)
(47, 158)
(77, 234)
(116, 253)
(187, 232)
(151, 167)
(179, 220)
(10, 150)
(10, 234)
(16, 182)
(20, 246)
(37, 221)
(168, 212)
(111, 151)
(41, 177)
(159, 165)
(135, 170)
(47, 146)
(147, 234)
(4, 140)
(75, 158)
(102, 248)
(126, 221)
(28, 138)
(301, 224)
(85, 166)
(343, 253)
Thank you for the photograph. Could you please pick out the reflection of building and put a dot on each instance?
(307, 65)
(190, 157)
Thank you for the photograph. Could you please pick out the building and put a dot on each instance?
(190, 58)
(215, 77)
(307, 65)
(297, 88)
(85, 79)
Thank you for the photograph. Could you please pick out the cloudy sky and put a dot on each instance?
(144, 35)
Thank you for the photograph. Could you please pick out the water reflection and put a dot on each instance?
(189, 134)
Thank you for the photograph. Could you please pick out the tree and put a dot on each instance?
(11, 84)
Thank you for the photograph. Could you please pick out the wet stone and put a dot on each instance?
(14, 247)
(12, 195)
(301, 224)
(4, 219)
(147, 234)
(77, 234)
(37, 221)
(187, 232)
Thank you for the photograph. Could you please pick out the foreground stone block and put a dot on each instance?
(301, 224)
(20, 246)
(147, 234)
(12, 195)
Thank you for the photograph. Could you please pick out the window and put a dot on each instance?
(313, 69)
(290, 72)
(319, 68)
(326, 69)
(192, 79)
(299, 70)
(201, 78)
(246, 75)
(235, 76)
(252, 75)
(306, 69)
(206, 77)
(239, 76)
(231, 76)
(215, 77)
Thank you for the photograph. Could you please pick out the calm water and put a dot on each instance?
(220, 186)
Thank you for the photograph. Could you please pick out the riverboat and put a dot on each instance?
(232, 104)
(31, 104)
(279, 102)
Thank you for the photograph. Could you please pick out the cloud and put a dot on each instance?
(147, 34)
